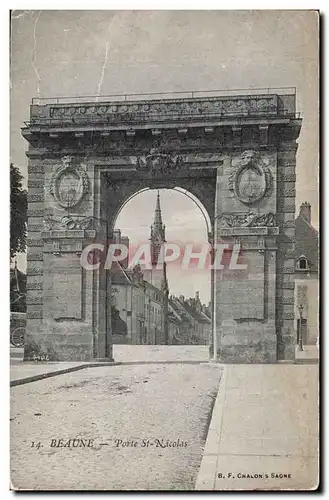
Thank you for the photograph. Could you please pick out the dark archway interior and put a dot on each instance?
(117, 187)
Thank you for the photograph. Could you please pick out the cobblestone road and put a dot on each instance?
(131, 403)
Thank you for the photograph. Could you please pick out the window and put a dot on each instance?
(302, 264)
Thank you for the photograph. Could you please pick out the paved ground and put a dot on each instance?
(265, 422)
(154, 353)
(138, 353)
(171, 402)
(309, 353)
(129, 354)
(20, 369)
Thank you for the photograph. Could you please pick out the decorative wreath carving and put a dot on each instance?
(251, 178)
(68, 222)
(247, 219)
(157, 162)
(69, 184)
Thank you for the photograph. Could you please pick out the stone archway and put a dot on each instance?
(236, 154)
(125, 224)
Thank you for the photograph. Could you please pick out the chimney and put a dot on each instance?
(305, 211)
(117, 236)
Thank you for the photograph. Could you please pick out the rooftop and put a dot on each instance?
(136, 110)
(188, 94)
(307, 240)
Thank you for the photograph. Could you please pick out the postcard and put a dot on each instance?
(164, 238)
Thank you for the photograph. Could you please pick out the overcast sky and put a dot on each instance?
(69, 53)
(183, 225)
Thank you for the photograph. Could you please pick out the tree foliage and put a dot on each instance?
(17, 291)
(18, 212)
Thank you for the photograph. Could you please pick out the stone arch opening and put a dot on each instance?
(195, 200)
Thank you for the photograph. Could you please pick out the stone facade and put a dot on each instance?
(141, 307)
(193, 325)
(235, 154)
(306, 264)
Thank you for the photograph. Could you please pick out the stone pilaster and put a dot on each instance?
(245, 298)
(34, 283)
(286, 250)
(72, 316)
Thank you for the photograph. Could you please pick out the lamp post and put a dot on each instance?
(300, 336)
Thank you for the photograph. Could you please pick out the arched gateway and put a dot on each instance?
(236, 154)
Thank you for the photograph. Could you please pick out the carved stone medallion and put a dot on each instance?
(250, 178)
(69, 184)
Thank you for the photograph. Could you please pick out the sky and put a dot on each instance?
(186, 226)
(72, 53)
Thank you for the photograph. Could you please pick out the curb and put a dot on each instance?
(173, 362)
(41, 376)
(206, 478)
(307, 361)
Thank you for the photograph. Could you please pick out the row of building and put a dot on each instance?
(140, 312)
(306, 276)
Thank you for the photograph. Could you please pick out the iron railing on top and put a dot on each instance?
(126, 119)
(164, 95)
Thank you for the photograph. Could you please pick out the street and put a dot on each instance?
(140, 427)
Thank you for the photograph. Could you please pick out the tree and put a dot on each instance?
(17, 290)
(18, 212)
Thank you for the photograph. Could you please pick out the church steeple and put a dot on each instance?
(158, 277)
(158, 232)
(157, 228)
(157, 213)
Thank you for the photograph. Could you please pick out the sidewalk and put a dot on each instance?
(22, 372)
(29, 371)
(265, 422)
(310, 354)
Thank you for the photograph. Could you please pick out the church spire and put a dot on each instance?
(157, 213)
(158, 229)
(158, 275)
